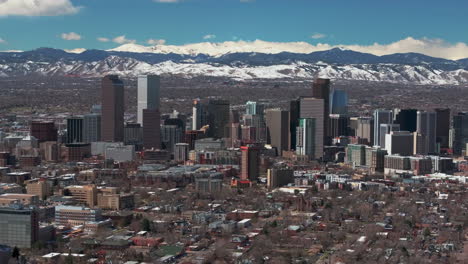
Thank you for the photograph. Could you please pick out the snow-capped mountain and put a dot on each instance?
(335, 63)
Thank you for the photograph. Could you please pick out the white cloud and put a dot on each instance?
(101, 39)
(318, 36)
(70, 36)
(431, 47)
(156, 41)
(37, 8)
(78, 50)
(123, 40)
(209, 36)
(167, 1)
(2, 41)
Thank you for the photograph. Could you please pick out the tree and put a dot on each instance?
(427, 232)
(16, 253)
(145, 225)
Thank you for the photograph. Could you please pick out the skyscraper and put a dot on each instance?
(399, 142)
(307, 141)
(43, 131)
(91, 128)
(148, 95)
(294, 116)
(365, 130)
(386, 129)
(427, 126)
(249, 163)
(406, 118)
(170, 135)
(321, 90)
(311, 127)
(199, 114)
(112, 122)
(381, 117)
(339, 102)
(75, 129)
(151, 129)
(338, 125)
(443, 127)
(277, 122)
(19, 227)
(218, 117)
(254, 108)
(460, 132)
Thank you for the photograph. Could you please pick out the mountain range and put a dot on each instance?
(131, 60)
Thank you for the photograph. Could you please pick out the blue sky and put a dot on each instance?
(336, 22)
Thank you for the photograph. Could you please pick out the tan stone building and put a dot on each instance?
(40, 188)
(85, 194)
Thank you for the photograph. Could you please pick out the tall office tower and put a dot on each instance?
(91, 128)
(148, 95)
(460, 132)
(96, 109)
(181, 151)
(234, 132)
(381, 117)
(309, 142)
(170, 135)
(250, 163)
(406, 118)
(353, 126)
(175, 122)
(294, 116)
(427, 126)
(277, 122)
(386, 129)
(19, 227)
(365, 130)
(133, 134)
(254, 108)
(339, 102)
(321, 90)
(75, 129)
(338, 125)
(234, 116)
(43, 131)
(443, 127)
(399, 142)
(312, 108)
(112, 120)
(199, 114)
(257, 122)
(218, 117)
(419, 144)
(151, 129)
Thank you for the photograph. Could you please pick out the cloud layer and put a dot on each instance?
(37, 7)
(318, 36)
(431, 47)
(2, 41)
(123, 40)
(70, 36)
(209, 36)
(156, 41)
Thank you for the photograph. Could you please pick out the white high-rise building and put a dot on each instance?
(310, 131)
(148, 94)
(381, 117)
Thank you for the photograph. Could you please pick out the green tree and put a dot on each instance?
(427, 232)
(145, 225)
(16, 253)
